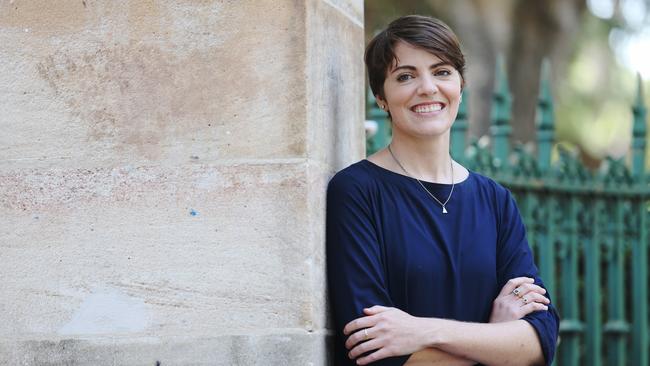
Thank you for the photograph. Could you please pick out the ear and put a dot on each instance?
(381, 101)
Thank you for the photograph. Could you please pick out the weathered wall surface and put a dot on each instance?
(162, 176)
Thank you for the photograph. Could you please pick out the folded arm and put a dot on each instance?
(518, 298)
(436, 357)
(507, 343)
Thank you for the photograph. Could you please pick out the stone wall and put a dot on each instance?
(163, 167)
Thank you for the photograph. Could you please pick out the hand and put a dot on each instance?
(386, 331)
(518, 298)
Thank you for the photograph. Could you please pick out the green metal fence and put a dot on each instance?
(588, 229)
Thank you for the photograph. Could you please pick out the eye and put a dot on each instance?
(404, 77)
(442, 72)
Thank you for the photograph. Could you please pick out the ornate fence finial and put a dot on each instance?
(545, 118)
(459, 130)
(639, 112)
(501, 115)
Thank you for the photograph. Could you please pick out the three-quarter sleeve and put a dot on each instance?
(515, 259)
(355, 266)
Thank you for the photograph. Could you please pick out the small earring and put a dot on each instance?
(383, 107)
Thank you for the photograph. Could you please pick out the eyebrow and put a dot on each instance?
(412, 68)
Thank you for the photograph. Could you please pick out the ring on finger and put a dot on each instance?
(365, 335)
(516, 292)
(524, 299)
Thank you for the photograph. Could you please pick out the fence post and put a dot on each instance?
(639, 132)
(616, 327)
(459, 130)
(545, 119)
(639, 243)
(593, 295)
(501, 116)
(570, 326)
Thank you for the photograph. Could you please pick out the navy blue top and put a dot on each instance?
(388, 243)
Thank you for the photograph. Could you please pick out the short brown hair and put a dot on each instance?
(427, 33)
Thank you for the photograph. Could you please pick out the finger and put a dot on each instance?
(359, 323)
(358, 337)
(530, 287)
(514, 283)
(531, 307)
(375, 309)
(375, 356)
(364, 347)
(534, 297)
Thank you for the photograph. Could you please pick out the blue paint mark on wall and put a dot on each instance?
(193, 213)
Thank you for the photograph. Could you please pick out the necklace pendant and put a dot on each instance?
(444, 210)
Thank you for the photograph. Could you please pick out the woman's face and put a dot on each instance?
(421, 92)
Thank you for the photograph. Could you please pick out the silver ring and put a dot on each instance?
(365, 334)
(516, 292)
(525, 300)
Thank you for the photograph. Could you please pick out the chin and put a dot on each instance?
(435, 128)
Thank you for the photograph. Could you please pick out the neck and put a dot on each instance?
(427, 160)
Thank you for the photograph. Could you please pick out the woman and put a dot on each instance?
(428, 263)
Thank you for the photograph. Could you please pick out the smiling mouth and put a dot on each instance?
(428, 108)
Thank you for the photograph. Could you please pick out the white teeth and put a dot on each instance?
(428, 108)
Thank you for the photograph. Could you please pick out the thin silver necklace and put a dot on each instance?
(443, 204)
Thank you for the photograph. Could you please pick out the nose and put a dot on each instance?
(427, 85)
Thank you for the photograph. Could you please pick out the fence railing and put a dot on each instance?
(588, 229)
